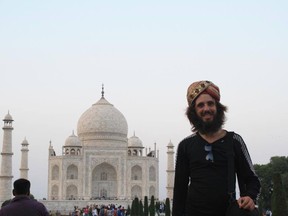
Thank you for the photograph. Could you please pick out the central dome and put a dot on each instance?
(102, 121)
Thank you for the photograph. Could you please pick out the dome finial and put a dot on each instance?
(102, 92)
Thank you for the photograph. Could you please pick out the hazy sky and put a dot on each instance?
(55, 55)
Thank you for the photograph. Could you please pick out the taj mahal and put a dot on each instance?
(99, 163)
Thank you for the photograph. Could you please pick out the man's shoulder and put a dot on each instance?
(236, 137)
(32, 202)
(38, 206)
(6, 202)
(238, 141)
(36, 202)
(188, 139)
(30, 206)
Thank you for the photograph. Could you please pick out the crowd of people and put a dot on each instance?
(100, 210)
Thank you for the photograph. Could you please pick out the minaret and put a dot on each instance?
(6, 160)
(170, 170)
(24, 160)
(51, 150)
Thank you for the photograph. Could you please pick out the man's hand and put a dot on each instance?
(246, 203)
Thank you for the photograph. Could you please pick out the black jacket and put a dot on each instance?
(200, 186)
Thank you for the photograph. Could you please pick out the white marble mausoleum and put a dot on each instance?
(100, 162)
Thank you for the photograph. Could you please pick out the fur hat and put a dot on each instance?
(199, 87)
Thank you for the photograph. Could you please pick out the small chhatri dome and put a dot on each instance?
(8, 117)
(170, 144)
(102, 121)
(134, 141)
(25, 142)
(72, 140)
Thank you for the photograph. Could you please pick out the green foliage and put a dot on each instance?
(146, 210)
(265, 175)
(141, 213)
(279, 205)
(135, 207)
(266, 172)
(167, 207)
(152, 206)
(285, 183)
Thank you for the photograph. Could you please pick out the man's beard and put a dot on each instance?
(208, 127)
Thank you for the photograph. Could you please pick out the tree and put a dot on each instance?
(285, 183)
(280, 165)
(152, 206)
(141, 213)
(279, 205)
(265, 173)
(167, 207)
(135, 207)
(146, 210)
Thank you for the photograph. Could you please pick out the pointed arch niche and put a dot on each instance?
(72, 172)
(136, 191)
(104, 181)
(55, 192)
(151, 191)
(71, 192)
(152, 173)
(55, 172)
(136, 173)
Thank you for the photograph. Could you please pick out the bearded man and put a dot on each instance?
(201, 173)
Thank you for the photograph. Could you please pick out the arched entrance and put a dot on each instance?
(104, 182)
